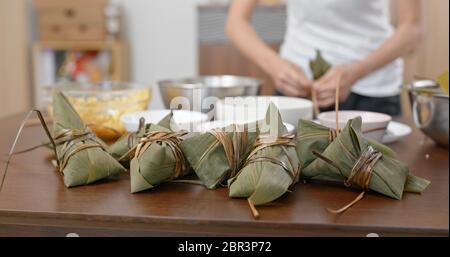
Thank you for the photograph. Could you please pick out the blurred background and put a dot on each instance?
(43, 42)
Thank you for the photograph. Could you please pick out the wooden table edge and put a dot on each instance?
(220, 227)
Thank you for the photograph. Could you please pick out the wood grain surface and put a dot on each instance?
(35, 202)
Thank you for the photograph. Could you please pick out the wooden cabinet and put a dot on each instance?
(431, 58)
(118, 67)
(71, 20)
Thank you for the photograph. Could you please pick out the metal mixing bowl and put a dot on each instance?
(430, 110)
(201, 93)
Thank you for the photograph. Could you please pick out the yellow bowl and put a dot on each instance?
(101, 105)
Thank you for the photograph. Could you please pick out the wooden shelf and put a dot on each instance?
(79, 45)
(119, 58)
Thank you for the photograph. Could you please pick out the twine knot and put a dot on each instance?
(70, 140)
(171, 139)
(234, 147)
(361, 174)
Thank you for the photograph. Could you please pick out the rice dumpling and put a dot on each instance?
(81, 155)
(319, 66)
(119, 149)
(271, 167)
(218, 154)
(351, 159)
(313, 137)
(157, 158)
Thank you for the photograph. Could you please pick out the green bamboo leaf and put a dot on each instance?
(129, 140)
(389, 175)
(273, 124)
(85, 166)
(157, 164)
(313, 137)
(264, 182)
(208, 158)
(416, 184)
(168, 122)
(319, 66)
(271, 170)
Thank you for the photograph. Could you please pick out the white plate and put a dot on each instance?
(371, 121)
(184, 119)
(396, 131)
(206, 126)
(253, 108)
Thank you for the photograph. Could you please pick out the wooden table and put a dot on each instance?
(34, 202)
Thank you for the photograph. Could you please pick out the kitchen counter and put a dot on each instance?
(35, 202)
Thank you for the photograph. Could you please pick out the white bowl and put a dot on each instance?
(253, 108)
(184, 119)
(207, 126)
(374, 124)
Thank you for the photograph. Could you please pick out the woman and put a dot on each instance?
(354, 36)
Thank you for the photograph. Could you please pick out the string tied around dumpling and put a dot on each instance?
(73, 141)
(332, 134)
(133, 138)
(359, 176)
(265, 142)
(68, 138)
(361, 172)
(234, 147)
(171, 139)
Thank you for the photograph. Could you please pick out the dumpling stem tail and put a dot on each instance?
(343, 209)
(255, 212)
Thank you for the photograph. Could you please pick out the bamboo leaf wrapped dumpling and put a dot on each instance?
(119, 149)
(313, 137)
(272, 166)
(157, 158)
(218, 154)
(353, 160)
(124, 144)
(81, 156)
(319, 66)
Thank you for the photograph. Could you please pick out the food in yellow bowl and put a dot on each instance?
(101, 105)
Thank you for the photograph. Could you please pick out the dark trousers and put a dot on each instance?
(389, 105)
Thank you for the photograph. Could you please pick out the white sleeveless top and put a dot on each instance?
(344, 31)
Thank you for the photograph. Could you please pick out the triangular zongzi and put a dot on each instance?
(354, 161)
(272, 166)
(218, 154)
(313, 137)
(119, 149)
(319, 66)
(157, 158)
(81, 155)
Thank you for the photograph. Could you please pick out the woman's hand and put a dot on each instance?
(344, 76)
(290, 79)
